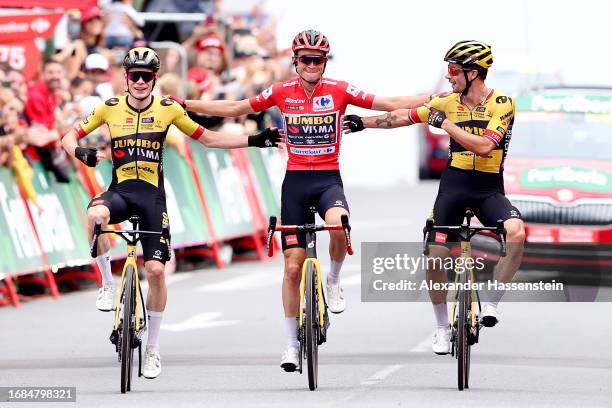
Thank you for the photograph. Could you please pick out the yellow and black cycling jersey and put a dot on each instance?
(138, 136)
(493, 119)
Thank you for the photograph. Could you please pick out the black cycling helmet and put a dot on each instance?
(141, 57)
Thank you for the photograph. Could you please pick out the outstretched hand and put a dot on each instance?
(269, 137)
(352, 124)
(176, 99)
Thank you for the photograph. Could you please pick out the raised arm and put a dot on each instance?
(224, 140)
(391, 103)
(396, 118)
(216, 108)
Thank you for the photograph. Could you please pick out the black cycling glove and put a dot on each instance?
(266, 138)
(354, 123)
(436, 117)
(87, 155)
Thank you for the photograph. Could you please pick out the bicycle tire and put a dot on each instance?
(312, 326)
(127, 352)
(468, 340)
(462, 342)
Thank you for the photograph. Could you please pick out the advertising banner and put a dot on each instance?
(19, 251)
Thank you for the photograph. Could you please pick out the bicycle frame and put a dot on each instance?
(466, 253)
(130, 260)
(311, 254)
(311, 257)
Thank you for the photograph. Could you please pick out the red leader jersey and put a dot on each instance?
(313, 126)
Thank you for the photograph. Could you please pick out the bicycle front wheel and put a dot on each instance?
(312, 326)
(463, 347)
(127, 330)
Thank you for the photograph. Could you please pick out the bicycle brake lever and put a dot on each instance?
(271, 228)
(426, 230)
(346, 227)
(501, 231)
(94, 242)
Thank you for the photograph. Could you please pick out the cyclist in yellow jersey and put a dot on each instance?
(479, 122)
(138, 123)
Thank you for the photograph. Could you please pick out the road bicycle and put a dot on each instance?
(465, 327)
(313, 320)
(130, 311)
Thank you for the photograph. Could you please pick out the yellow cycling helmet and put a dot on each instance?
(141, 57)
(470, 53)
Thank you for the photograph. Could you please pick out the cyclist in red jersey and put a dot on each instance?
(313, 109)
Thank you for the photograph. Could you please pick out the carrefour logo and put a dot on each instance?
(567, 176)
(40, 25)
(322, 103)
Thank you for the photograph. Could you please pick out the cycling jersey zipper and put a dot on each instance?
(136, 140)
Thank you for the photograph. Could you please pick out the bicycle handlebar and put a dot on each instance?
(465, 232)
(165, 233)
(344, 226)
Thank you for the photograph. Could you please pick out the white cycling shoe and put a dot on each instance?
(489, 316)
(291, 359)
(152, 364)
(335, 297)
(441, 341)
(106, 298)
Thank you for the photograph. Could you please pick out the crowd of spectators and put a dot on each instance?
(222, 57)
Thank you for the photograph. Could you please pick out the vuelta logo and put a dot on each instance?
(119, 154)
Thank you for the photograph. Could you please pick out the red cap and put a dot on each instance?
(211, 41)
(93, 12)
(200, 76)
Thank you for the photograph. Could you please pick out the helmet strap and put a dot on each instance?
(468, 83)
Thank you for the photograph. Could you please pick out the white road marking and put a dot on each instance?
(199, 321)
(424, 345)
(381, 375)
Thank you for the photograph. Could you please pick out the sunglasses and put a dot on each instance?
(452, 71)
(312, 59)
(135, 76)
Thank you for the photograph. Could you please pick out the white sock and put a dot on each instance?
(155, 319)
(334, 272)
(291, 329)
(441, 312)
(494, 296)
(104, 264)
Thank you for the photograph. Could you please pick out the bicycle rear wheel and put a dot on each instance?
(127, 330)
(312, 326)
(463, 348)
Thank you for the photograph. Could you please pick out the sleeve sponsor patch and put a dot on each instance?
(352, 90)
(266, 93)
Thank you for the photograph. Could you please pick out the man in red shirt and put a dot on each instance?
(40, 112)
(313, 109)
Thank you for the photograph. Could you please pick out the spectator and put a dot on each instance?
(123, 24)
(40, 110)
(211, 54)
(96, 70)
(18, 84)
(91, 40)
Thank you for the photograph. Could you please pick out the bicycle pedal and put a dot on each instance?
(136, 342)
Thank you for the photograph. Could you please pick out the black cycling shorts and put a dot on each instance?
(302, 188)
(150, 206)
(454, 197)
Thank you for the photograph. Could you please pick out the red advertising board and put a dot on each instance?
(17, 34)
(50, 4)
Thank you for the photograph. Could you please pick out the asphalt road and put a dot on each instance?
(222, 338)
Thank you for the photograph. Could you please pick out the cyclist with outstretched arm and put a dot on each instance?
(479, 121)
(312, 107)
(138, 123)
